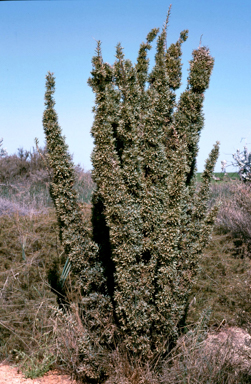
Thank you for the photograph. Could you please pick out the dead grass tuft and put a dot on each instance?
(191, 362)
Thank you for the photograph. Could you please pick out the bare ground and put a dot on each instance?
(11, 375)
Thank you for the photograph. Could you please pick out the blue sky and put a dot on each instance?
(59, 36)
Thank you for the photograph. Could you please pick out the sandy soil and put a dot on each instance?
(10, 375)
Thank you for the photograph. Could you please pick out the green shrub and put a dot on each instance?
(150, 225)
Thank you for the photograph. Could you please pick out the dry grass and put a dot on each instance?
(191, 362)
(28, 245)
(223, 284)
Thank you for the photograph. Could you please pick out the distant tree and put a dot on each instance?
(242, 160)
(150, 224)
(3, 151)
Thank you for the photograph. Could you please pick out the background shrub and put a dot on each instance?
(235, 215)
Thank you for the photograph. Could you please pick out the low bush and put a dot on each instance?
(25, 183)
(23, 165)
(235, 216)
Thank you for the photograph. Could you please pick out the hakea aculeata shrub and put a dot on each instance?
(149, 222)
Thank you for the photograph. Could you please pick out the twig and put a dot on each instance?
(11, 330)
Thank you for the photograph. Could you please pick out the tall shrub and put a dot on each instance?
(149, 223)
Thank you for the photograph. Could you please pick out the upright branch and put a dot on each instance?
(189, 118)
(76, 239)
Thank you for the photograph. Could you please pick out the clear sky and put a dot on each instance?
(59, 36)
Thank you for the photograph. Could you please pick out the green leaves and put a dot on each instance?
(200, 70)
(149, 223)
(144, 161)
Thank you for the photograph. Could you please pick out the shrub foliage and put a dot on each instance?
(137, 265)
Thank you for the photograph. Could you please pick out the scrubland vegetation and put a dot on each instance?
(38, 336)
(120, 277)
